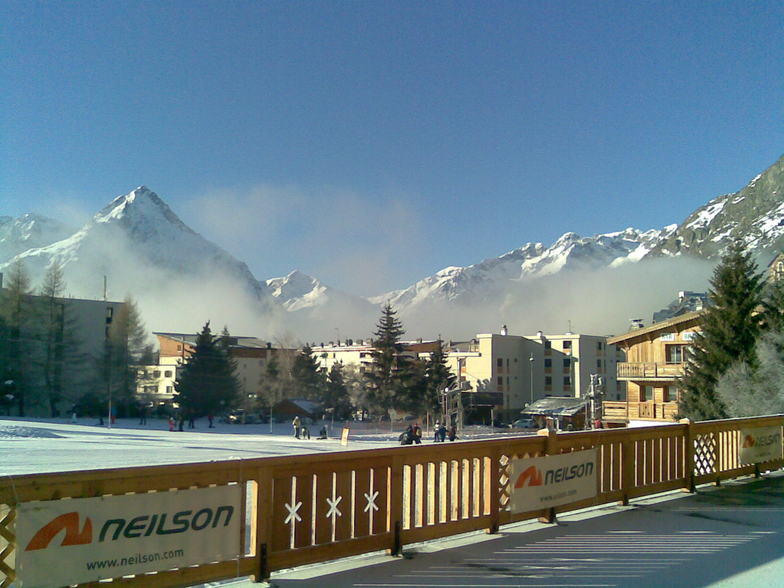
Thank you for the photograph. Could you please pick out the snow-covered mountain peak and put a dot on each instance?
(140, 208)
(28, 232)
(294, 285)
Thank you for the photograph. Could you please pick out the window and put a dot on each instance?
(499, 362)
(167, 374)
(598, 346)
(567, 381)
(567, 363)
(548, 346)
(567, 345)
(156, 374)
(675, 353)
(548, 363)
(168, 389)
(599, 364)
(500, 381)
(548, 380)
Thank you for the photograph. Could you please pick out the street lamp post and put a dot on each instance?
(531, 366)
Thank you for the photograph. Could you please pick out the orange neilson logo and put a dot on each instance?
(748, 442)
(68, 521)
(531, 475)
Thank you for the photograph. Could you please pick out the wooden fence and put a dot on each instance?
(311, 508)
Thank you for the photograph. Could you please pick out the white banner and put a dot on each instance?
(759, 445)
(62, 542)
(544, 482)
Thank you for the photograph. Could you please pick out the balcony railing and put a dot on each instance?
(648, 370)
(654, 411)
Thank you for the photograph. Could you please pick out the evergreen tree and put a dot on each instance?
(773, 306)
(729, 330)
(207, 382)
(385, 378)
(58, 359)
(336, 397)
(276, 382)
(755, 392)
(412, 397)
(17, 312)
(125, 349)
(439, 378)
(306, 374)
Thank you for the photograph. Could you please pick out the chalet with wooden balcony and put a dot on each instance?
(655, 360)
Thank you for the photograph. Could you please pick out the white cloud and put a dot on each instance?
(361, 243)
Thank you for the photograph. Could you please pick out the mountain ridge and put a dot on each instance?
(138, 234)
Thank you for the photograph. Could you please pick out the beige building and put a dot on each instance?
(249, 353)
(358, 353)
(527, 368)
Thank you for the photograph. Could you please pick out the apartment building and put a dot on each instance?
(251, 355)
(84, 324)
(570, 359)
(527, 368)
(360, 353)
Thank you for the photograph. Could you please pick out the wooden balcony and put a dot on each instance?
(643, 411)
(649, 371)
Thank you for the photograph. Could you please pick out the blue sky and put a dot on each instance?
(372, 143)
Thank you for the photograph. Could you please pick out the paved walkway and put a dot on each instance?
(726, 536)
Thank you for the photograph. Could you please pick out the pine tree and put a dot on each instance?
(385, 384)
(773, 306)
(58, 359)
(125, 349)
(746, 392)
(439, 378)
(16, 309)
(308, 380)
(412, 397)
(207, 383)
(728, 333)
(336, 397)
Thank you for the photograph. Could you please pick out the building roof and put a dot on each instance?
(556, 406)
(248, 342)
(664, 326)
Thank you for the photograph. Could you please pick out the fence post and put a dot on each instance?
(550, 448)
(264, 514)
(396, 505)
(628, 468)
(495, 491)
(688, 457)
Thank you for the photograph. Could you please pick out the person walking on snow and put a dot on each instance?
(297, 426)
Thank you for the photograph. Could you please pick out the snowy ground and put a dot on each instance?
(29, 446)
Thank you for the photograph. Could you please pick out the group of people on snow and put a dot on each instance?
(413, 434)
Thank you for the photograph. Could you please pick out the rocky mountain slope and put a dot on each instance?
(755, 215)
(29, 231)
